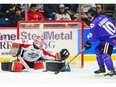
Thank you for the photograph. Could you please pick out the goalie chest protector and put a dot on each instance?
(56, 66)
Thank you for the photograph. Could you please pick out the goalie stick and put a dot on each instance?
(20, 58)
(69, 61)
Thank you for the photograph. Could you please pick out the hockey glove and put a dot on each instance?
(87, 45)
(64, 53)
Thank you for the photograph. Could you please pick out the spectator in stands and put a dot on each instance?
(5, 14)
(16, 17)
(50, 11)
(71, 9)
(99, 9)
(40, 8)
(5, 8)
(62, 14)
(33, 14)
(83, 16)
(2, 15)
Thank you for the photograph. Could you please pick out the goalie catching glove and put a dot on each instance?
(57, 65)
(87, 45)
(63, 54)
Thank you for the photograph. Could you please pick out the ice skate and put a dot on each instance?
(101, 70)
(111, 73)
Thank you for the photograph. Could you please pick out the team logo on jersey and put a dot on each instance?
(89, 35)
(33, 55)
(92, 25)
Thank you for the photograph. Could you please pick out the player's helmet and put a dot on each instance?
(96, 11)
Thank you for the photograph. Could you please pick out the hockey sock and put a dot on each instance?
(100, 61)
(99, 57)
(108, 61)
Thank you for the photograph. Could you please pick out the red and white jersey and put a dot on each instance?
(35, 16)
(31, 54)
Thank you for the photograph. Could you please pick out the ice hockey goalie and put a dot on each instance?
(35, 56)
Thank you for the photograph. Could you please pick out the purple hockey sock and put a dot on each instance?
(99, 57)
(100, 61)
(108, 61)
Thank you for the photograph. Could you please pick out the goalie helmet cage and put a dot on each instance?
(71, 32)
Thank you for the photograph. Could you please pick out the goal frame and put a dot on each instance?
(57, 21)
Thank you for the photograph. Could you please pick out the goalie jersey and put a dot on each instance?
(29, 51)
(103, 29)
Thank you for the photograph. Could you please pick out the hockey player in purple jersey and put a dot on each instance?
(102, 29)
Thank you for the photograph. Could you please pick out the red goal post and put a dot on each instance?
(57, 35)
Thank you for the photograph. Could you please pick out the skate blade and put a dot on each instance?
(99, 75)
(102, 75)
(108, 75)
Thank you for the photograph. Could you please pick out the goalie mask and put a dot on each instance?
(39, 41)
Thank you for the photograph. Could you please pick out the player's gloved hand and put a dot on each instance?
(87, 45)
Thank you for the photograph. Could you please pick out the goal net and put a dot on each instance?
(57, 35)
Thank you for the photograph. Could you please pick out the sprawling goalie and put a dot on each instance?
(31, 52)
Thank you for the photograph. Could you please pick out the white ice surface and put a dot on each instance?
(76, 77)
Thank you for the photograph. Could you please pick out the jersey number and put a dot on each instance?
(109, 27)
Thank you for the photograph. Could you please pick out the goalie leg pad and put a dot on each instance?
(16, 67)
(6, 66)
(11, 66)
(56, 66)
(38, 65)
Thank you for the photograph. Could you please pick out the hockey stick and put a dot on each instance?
(24, 64)
(69, 61)
(20, 58)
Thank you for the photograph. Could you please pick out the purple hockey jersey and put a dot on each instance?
(102, 28)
